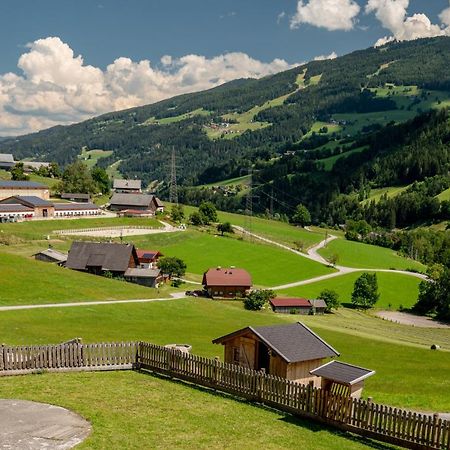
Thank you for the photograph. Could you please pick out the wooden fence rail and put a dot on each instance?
(392, 425)
(376, 421)
(115, 228)
(66, 356)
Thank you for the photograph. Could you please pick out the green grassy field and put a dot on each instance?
(395, 290)
(268, 265)
(392, 191)
(357, 254)
(90, 157)
(174, 119)
(399, 377)
(317, 126)
(26, 281)
(330, 162)
(231, 181)
(444, 195)
(134, 411)
(39, 229)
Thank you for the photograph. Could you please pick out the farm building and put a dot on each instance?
(140, 202)
(289, 351)
(146, 277)
(29, 206)
(290, 305)
(319, 306)
(127, 186)
(23, 188)
(148, 258)
(31, 166)
(52, 256)
(342, 378)
(76, 197)
(118, 259)
(227, 283)
(6, 161)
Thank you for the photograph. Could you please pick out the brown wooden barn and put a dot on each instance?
(227, 283)
(289, 351)
(291, 305)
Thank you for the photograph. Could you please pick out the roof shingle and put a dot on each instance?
(343, 373)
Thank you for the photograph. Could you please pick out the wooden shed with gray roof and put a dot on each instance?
(342, 378)
(290, 351)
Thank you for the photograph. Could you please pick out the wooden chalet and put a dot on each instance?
(289, 351)
(145, 277)
(227, 283)
(134, 202)
(342, 378)
(290, 305)
(127, 186)
(148, 258)
(318, 305)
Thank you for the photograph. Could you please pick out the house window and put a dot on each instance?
(236, 355)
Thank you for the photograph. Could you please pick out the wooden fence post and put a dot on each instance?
(309, 397)
(2, 357)
(261, 384)
(215, 379)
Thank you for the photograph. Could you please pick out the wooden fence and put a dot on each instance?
(71, 355)
(105, 229)
(384, 423)
(376, 421)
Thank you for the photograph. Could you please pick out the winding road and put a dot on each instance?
(313, 255)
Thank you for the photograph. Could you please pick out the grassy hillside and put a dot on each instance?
(26, 281)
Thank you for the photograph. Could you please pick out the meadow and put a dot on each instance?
(134, 411)
(396, 291)
(399, 367)
(360, 255)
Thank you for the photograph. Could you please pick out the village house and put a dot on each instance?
(29, 206)
(121, 260)
(6, 161)
(32, 166)
(289, 351)
(52, 256)
(296, 305)
(143, 203)
(127, 186)
(76, 197)
(148, 259)
(227, 283)
(11, 188)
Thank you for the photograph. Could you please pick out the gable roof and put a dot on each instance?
(127, 184)
(147, 254)
(107, 256)
(10, 184)
(159, 203)
(290, 301)
(318, 303)
(142, 273)
(227, 277)
(54, 254)
(6, 158)
(75, 206)
(293, 343)
(26, 200)
(69, 195)
(343, 373)
(131, 199)
(14, 207)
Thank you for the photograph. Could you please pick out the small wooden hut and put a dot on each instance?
(289, 351)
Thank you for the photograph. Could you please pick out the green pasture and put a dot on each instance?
(268, 265)
(398, 381)
(244, 180)
(445, 195)
(390, 192)
(135, 410)
(40, 229)
(113, 170)
(174, 119)
(357, 254)
(330, 161)
(396, 290)
(26, 281)
(90, 157)
(315, 128)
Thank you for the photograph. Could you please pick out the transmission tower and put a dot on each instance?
(248, 223)
(173, 193)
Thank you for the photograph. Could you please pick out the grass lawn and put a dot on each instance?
(38, 229)
(445, 195)
(90, 157)
(400, 368)
(357, 254)
(392, 191)
(330, 161)
(395, 290)
(268, 265)
(26, 281)
(134, 411)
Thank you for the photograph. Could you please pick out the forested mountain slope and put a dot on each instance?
(323, 109)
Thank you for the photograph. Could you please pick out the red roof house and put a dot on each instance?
(148, 258)
(289, 305)
(227, 283)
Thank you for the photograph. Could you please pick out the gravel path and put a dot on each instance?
(411, 319)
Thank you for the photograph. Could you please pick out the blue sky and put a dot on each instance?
(39, 75)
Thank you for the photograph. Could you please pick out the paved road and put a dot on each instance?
(313, 255)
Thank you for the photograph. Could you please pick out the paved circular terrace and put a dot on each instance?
(29, 425)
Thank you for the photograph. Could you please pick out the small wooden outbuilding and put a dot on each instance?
(291, 305)
(52, 256)
(289, 351)
(342, 378)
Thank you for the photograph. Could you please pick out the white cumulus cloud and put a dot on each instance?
(330, 14)
(55, 86)
(332, 55)
(393, 15)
